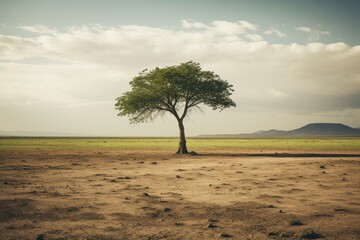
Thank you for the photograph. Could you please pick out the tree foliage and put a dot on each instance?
(175, 90)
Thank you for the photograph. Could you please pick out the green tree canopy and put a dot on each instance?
(174, 90)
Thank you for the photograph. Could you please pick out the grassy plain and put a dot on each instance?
(136, 188)
(278, 144)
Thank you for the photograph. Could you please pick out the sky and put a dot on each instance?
(63, 63)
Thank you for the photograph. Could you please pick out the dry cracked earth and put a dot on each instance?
(158, 195)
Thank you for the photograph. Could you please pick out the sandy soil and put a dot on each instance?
(158, 195)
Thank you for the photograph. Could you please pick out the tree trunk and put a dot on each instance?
(182, 143)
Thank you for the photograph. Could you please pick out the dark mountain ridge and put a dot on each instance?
(309, 130)
(326, 129)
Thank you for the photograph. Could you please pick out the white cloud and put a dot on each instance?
(39, 29)
(254, 37)
(221, 27)
(193, 24)
(304, 29)
(314, 35)
(92, 65)
(14, 48)
(273, 31)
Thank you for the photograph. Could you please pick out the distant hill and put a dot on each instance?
(310, 130)
(326, 129)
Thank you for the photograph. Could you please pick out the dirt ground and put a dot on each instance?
(158, 195)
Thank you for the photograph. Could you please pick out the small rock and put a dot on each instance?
(225, 235)
(124, 178)
(296, 223)
(280, 211)
(212, 226)
(167, 210)
(311, 235)
(40, 237)
(112, 180)
(322, 166)
(155, 214)
(6, 182)
(324, 172)
(72, 209)
(145, 194)
(272, 234)
(269, 206)
(153, 162)
(178, 176)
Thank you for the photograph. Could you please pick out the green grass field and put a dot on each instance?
(313, 144)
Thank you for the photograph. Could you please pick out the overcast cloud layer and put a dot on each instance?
(66, 80)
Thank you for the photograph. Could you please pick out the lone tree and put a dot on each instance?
(175, 90)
